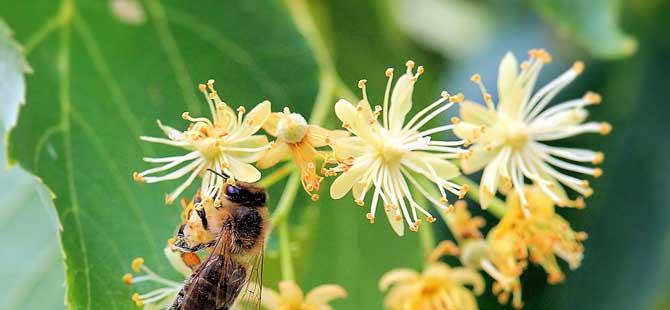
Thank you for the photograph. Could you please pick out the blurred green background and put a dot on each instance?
(130, 62)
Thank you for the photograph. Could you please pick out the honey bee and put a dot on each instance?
(234, 226)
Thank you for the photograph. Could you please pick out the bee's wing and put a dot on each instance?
(218, 266)
(250, 296)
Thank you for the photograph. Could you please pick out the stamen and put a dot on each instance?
(362, 86)
(476, 78)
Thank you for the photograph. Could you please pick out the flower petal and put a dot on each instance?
(507, 74)
(290, 293)
(318, 137)
(252, 142)
(346, 180)
(171, 133)
(271, 123)
(397, 276)
(278, 152)
(477, 114)
(254, 119)
(357, 118)
(348, 147)
(427, 161)
(401, 101)
(323, 294)
(243, 171)
(480, 155)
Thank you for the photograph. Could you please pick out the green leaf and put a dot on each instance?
(593, 24)
(30, 255)
(102, 78)
(12, 68)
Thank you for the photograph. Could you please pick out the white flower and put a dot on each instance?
(509, 139)
(383, 157)
(226, 144)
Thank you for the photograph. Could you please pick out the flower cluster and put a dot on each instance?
(396, 158)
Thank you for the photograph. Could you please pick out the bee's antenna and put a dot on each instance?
(222, 175)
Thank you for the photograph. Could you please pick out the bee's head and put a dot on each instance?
(246, 194)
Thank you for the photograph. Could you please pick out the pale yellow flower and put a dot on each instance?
(539, 238)
(164, 295)
(384, 158)
(510, 138)
(301, 141)
(499, 262)
(225, 144)
(291, 297)
(439, 287)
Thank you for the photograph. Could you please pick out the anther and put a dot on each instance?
(241, 109)
(585, 183)
(597, 172)
(168, 200)
(359, 202)
(185, 115)
(598, 158)
(579, 203)
(419, 71)
(137, 177)
(431, 219)
(314, 197)
(370, 218)
(128, 279)
(487, 96)
(202, 88)
(605, 128)
(463, 191)
(476, 78)
(410, 65)
(137, 263)
(525, 65)
(578, 67)
(361, 83)
(444, 94)
(457, 98)
(455, 120)
(138, 300)
(592, 97)
(389, 72)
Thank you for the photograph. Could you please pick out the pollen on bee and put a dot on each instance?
(190, 259)
(128, 279)
(137, 263)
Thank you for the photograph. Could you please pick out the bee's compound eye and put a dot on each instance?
(232, 190)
